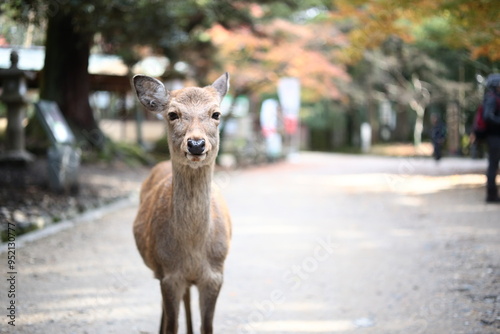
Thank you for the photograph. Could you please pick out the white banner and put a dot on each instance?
(289, 95)
(269, 116)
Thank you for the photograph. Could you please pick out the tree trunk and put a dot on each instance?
(65, 77)
(419, 122)
(402, 130)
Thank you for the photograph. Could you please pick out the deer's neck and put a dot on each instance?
(191, 198)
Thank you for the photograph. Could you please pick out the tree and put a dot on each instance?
(407, 78)
(166, 25)
(441, 47)
(71, 26)
(471, 24)
(260, 57)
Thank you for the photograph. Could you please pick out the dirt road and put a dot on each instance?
(329, 244)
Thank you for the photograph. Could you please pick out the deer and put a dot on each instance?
(183, 229)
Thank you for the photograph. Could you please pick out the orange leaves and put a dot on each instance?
(474, 23)
(490, 50)
(282, 49)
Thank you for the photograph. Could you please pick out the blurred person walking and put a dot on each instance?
(438, 135)
(491, 116)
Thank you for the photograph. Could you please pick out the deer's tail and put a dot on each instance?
(187, 307)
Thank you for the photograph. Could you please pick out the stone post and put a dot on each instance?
(14, 97)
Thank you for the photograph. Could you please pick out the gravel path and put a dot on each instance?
(329, 244)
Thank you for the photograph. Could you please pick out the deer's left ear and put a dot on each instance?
(222, 85)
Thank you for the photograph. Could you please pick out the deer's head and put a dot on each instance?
(192, 115)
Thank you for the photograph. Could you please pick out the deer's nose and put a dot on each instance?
(196, 147)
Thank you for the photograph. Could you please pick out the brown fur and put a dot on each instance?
(183, 228)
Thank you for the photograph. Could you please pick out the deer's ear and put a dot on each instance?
(222, 85)
(151, 93)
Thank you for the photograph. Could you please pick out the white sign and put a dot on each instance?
(289, 95)
(269, 125)
(274, 145)
(366, 137)
(269, 115)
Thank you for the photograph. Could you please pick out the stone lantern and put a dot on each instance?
(14, 96)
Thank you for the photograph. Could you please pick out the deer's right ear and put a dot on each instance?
(151, 93)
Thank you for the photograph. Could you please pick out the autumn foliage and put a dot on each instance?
(471, 24)
(259, 57)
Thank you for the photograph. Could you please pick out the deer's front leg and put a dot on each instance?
(209, 291)
(171, 291)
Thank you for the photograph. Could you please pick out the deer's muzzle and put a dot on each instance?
(196, 147)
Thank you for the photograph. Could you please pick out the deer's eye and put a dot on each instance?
(172, 116)
(216, 115)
